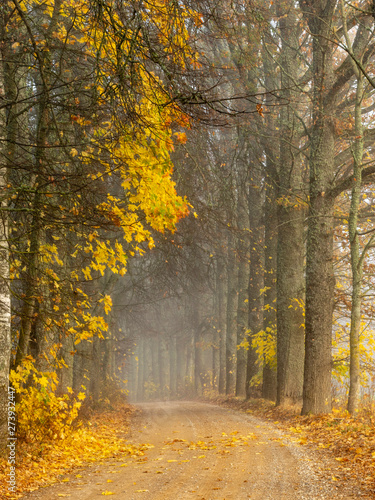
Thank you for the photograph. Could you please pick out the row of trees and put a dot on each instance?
(283, 243)
(277, 170)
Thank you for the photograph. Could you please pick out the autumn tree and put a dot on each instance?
(320, 282)
(5, 340)
(90, 110)
(291, 211)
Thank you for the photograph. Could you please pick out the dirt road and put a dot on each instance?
(205, 452)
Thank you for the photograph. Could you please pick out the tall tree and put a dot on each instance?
(327, 83)
(291, 212)
(5, 338)
(320, 281)
(256, 276)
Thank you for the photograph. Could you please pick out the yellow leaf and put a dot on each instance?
(107, 493)
(43, 381)
(181, 137)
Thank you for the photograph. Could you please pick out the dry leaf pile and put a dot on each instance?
(39, 464)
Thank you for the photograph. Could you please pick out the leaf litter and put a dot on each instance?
(42, 464)
(348, 439)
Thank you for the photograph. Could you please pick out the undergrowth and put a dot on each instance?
(52, 436)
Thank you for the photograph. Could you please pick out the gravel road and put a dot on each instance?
(206, 452)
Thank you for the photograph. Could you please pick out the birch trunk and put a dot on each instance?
(5, 337)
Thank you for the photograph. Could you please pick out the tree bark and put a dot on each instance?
(221, 324)
(243, 294)
(270, 261)
(230, 350)
(181, 365)
(66, 372)
(320, 281)
(154, 363)
(271, 150)
(355, 258)
(140, 378)
(256, 279)
(95, 370)
(5, 336)
(172, 367)
(291, 214)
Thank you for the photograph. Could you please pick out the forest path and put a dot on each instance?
(204, 452)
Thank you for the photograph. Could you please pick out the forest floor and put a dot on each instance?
(201, 451)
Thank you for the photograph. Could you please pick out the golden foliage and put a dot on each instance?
(43, 463)
(42, 414)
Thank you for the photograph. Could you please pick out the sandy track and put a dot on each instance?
(204, 452)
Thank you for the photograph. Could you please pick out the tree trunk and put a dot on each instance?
(269, 308)
(181, 365)
(95, 370)
(5, 336)
(230, 350)
(243, 294)
(140, 378)
(154, 363)
(66, 372)
(270, 253)
(290, 306)
(32, 255)
(221, 324)
(291, 214)
(81, 365)
(320, 281)
(172, 367)
(215, 349)
(355, 258)
(163, 367)
(198, 364)
(256, 282)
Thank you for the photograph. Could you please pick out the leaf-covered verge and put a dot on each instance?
(94, 438)
(347, 439)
